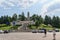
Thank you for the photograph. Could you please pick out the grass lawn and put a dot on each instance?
(5, 28)
(42, 26)
(9, 27)
(32, 27)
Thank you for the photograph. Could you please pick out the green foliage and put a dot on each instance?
(5, 28)
(3, 25)
(29, 26)
(40, 19)
(54, 21)
(45, 26)
(42, 26)
(14, 17)
(47, 20)
(33, 27)
(4, 20)
(34, 17)
(37, 24)
(22, 17)
(14, 27)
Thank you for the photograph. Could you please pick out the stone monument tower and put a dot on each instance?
(28, 16)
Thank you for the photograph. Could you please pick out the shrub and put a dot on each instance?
(3, 25)
(14, 27)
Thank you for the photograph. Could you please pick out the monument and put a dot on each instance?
(24, 24)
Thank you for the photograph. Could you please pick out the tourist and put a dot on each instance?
(45, 32)
(54, 34)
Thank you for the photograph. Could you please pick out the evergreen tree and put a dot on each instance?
(22, 16)
(55, 21)
(14, 17)
(47, 20)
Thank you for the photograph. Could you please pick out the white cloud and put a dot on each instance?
(19, 3)
(1, 1)
(57, 0)
(9, 3)
(46, 6)
(54, 12)
(28, 3)
(43, 1)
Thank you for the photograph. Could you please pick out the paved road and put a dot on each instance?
(28, 36)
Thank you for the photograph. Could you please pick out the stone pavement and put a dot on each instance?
(28, 36)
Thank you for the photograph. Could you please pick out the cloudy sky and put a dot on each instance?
(40, 7)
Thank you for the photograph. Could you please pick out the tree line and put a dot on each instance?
(38, 19)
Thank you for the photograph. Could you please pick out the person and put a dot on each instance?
(45, 32)
(54, 34)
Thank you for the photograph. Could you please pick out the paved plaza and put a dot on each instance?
(28, 36)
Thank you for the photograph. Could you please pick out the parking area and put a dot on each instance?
(28, 36)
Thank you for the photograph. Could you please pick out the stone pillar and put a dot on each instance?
(28, 16)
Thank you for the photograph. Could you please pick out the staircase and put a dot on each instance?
(24, 28)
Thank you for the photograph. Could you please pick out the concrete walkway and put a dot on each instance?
(28, 36)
